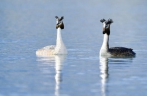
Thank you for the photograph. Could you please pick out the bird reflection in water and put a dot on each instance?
(104, 73)
(58, 68)
(58, 59)
(104, 69)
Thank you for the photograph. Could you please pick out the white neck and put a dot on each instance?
(60, 47)
(105, 46)
(59, 37)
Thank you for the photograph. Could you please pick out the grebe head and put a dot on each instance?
(59, 22)
(106, 25)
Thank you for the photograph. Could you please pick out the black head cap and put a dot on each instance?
(106, 25)
(60, 23)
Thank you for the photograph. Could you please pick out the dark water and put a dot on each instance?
(27, 25)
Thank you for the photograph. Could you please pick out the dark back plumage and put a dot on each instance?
(121, 52)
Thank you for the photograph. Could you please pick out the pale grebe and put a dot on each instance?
(114, 51)
(59, 48)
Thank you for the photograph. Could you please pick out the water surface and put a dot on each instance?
(27, 25)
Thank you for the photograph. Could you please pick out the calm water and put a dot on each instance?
(27, 25)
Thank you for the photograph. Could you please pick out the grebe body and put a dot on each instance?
(114, 51)
(57, 49)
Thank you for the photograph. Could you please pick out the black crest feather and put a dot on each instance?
(102, 20)
(56, 17)
(109, 21)
(61, 18)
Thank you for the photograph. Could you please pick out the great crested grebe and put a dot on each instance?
(59, 48)
(114, 51)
